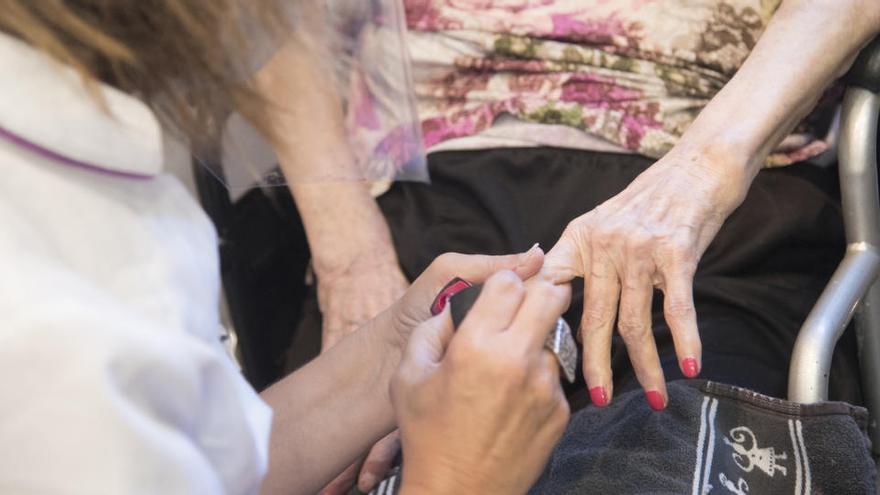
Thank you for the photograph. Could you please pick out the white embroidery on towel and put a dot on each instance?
(766, 458)
(740, 488)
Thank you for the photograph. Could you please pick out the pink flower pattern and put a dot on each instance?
(633, 72)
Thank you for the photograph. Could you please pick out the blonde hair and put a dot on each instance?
(188, 59)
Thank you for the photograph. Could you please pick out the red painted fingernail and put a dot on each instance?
(655, 400)
(598, 396)
(689, 367)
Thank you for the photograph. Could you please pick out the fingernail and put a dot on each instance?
(689, 367)
(598, 396)
(655, 400)
(367, 482)
(525, 256)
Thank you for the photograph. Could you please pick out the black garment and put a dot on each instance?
(754, 287)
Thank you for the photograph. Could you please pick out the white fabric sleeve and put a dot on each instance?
(94, 400)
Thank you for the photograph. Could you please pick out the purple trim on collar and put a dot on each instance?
(52, 155)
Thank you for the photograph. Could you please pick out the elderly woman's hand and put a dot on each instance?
(348, 298)
(480, 411)
(651, 235)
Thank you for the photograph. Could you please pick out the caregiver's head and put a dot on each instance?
(186, 58)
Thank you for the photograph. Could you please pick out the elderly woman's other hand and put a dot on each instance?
(356, 294)
(348, 298)
(651, 235)
(480, 411)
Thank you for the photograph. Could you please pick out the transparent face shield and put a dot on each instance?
(341, 102)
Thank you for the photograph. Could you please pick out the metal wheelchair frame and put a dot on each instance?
(854, 289)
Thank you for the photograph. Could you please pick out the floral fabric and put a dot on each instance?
(633, 72)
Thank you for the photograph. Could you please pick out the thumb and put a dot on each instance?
(428, 342)
(563, 263)
(425, 349)
(477, 268)
(474, 268)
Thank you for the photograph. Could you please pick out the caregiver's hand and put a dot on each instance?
(415, 306)
(480, 411)
(410, 310)
(650, 235)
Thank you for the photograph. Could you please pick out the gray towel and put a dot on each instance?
(711, 439)
(715, 439)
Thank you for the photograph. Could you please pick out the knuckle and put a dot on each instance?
(505, 281)
(641, 236)
(545, 387)
(465, 353)
(571, 233)
(446, 263)
(638, 243)
(605, 233)
(680, 308)
(680, 245)
(597, 317)
(683, 269)
(633, 282)
(580, 229)
(632, 330)
(513, 370)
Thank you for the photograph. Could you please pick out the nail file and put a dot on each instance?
(462, 295)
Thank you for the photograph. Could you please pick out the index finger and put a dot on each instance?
(564, 261)
(473, 268)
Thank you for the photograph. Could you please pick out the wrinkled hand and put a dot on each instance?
(480, 411)
(409, 311)
(350, 297)
(650, 235)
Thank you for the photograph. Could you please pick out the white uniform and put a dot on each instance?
(112, 378)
